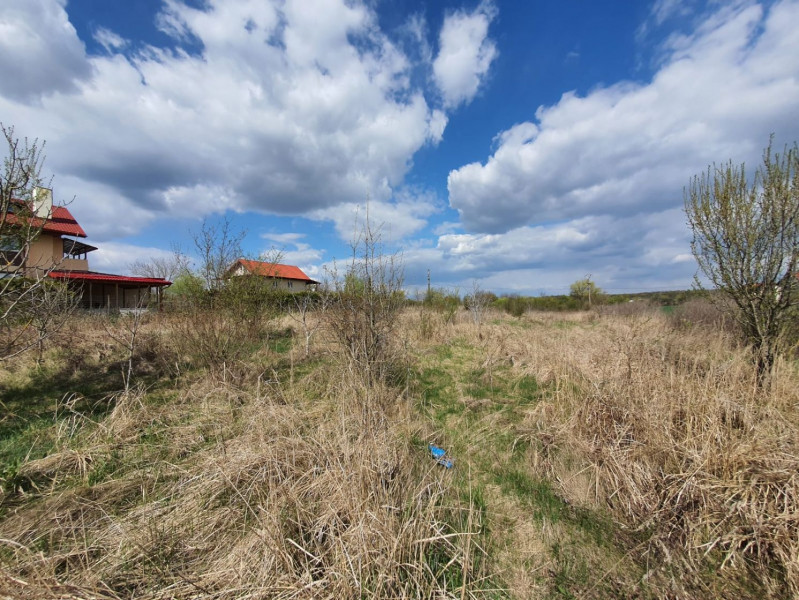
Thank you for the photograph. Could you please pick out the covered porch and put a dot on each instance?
(114, 292)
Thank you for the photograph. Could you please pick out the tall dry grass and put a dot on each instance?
(669, 429)
(267, 485)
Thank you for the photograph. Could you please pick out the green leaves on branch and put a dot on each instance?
(746, 242)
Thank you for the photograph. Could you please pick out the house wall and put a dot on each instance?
(74, 264)
(277, 283)
(290, 285)
(45, 251)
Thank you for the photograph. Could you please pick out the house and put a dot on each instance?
(283, 277)
(55, 253)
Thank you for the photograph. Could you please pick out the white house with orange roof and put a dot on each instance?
(283, 277)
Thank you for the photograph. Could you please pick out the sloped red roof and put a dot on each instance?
(267, 269)
(61, 222)
(108, 278)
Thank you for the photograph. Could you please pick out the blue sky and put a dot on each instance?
(521, 145)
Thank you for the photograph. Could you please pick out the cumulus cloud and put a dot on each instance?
(284, 107)
(630, 148)
(637, 252)
(465, 54)
(290, 248)
(402, 216)
(115, 257)
(40, 52)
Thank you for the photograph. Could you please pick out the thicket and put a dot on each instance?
(363, 314)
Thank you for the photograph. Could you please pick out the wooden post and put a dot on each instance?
(116, 294)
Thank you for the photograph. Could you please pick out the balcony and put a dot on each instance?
(73, 264)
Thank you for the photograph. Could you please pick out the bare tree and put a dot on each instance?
(746, 241)
(168, 268)
(19, 179)
(23, 291)
(50, 309)
(124, 328)
(308, 309)
(364, 312)
(37, 316)
(218, 247)
(477, 302)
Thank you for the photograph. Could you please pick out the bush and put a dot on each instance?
(364, 310)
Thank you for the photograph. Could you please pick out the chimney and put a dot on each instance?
(42, 202)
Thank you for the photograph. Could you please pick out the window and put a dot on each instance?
(11, 253)
(289, 284)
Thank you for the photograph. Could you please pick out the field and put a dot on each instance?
(617, 453)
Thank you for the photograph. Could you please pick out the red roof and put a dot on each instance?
(109, 278)
(61, 222)
(267, 269)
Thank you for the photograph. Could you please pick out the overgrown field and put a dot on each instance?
(596, 455)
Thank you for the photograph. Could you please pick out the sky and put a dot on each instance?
(516, 145)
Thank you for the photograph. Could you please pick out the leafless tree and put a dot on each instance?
(124, 328)
(20, 177)
(218, 247)
(21, 284)
(50, 309)
(169, 267)
(364, 312)
(38, 316)
(477, 302)
(308, 310)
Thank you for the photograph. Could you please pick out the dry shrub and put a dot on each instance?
(275, 497)
(672, 432)
(704, 313)
(212, 339)
(628, 309)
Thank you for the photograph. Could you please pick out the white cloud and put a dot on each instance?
(290, 249)
(465, 54)
(290, 107)
(403, 216)
(114, 257)
(102, 212)
(40, 52)
(283, 238)
(630, 147)
(109, 40)
(632, 253)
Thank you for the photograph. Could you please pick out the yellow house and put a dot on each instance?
(55, 253)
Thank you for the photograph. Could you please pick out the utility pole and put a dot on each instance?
(588, 285)
(428, 283)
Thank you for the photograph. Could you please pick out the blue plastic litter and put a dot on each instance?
(440, 455)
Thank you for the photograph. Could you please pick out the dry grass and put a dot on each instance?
(671, 431)
(269, 484)
(284, 477)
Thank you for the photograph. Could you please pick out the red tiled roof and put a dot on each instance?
(108, 278)
(61, 222)
(267, 269)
